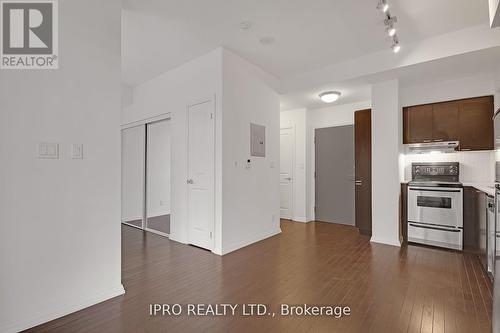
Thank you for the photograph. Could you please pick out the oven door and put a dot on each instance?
(437, 206)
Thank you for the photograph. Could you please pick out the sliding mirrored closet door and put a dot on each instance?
(158, 176)
(133, 169)
(146, 162)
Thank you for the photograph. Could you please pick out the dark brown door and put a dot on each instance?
(363, 171)
(445, 122)
(417, 124)
(476, 123)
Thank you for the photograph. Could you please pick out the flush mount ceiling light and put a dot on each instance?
(329, 96)
(383, 6)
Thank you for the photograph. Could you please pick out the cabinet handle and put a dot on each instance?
(427, 141)
(465, 149)
(438, 140)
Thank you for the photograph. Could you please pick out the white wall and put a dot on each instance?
(497, 89)
(338, 115)
(386, 155)
(60, 238)
(250, 197)
(172, 92)
(475, 166)
(158, 169)
(467, 87)
(127, 95)
(297, 119)
(246, 200)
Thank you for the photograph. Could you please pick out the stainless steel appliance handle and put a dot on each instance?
(435, 228)
(431, 190)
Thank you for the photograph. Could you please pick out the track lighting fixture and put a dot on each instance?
(383, 6)
(390, 24)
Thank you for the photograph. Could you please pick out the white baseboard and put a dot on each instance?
(54, 311)
(385, 241)
(174, 238)
(250, 240)
(300, 219)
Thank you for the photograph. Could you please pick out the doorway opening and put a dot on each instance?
(146, 180)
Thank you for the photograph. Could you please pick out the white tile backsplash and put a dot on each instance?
(475, 166)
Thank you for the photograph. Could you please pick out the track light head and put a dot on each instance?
(391, 30)
(395, 45)
(390, 25)
(383, 6)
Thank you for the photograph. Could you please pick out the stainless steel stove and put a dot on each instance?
(435, 205)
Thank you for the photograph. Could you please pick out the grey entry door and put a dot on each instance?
(334, 177)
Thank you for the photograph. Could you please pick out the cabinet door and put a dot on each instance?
(470, 216)
(476, 123)
(417, 124)
(445, 122)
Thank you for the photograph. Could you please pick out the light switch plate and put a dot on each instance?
(48, 150)
(77, 151)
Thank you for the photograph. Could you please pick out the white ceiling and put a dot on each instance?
(466, 65)
(159, 35)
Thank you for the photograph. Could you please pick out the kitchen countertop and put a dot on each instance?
(488, 188)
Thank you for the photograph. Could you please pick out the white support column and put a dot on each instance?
(386, 154)
(497, 90)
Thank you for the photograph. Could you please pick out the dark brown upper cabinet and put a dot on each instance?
(445, 122)
(475, 118)
(468, 121)
(417, 124)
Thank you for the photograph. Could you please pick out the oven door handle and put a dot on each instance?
(434, 228)
(432, 190)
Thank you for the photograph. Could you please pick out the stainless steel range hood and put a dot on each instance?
(431, 147)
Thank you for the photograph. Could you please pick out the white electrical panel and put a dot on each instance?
(48, 150)
(257, 140)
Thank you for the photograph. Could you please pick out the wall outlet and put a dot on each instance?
(48, 150)
(77, 151)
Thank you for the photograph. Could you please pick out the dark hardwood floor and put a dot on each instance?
(389, 289)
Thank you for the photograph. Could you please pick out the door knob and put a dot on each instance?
(190, 181)
(288, 178)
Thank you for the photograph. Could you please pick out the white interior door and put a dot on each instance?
(201, 174)
(286, 173)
